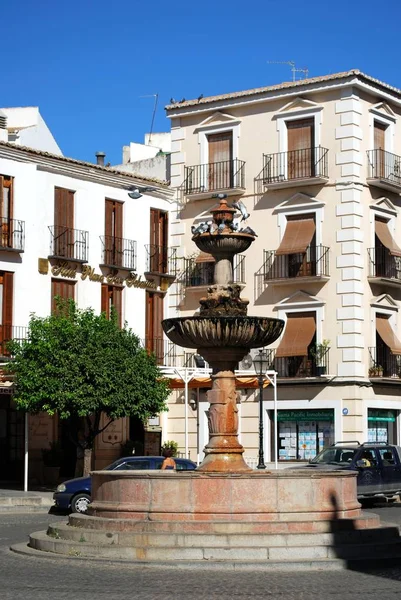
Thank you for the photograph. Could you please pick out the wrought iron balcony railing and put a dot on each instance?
(383, 363)
(383, 264)
(8, 333)
(384, 166)
(118, 252)
(307, 163)
(313, 263)
(161, 259)
(212, 177)
(202, 274)
(164, 350)
(12, 235)
(299, 366)
(69, 244)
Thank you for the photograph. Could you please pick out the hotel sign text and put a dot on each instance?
(64, 269)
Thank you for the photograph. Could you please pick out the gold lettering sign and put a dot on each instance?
(64, 269)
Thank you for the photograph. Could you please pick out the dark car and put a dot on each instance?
(75, 494)
(378, 466)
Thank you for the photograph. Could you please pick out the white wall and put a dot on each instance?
(27, 128)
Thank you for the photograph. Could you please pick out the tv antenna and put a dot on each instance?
(156, 97)
(294, 69)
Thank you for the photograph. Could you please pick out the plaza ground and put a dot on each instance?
(23, 577)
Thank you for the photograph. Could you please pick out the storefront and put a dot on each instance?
(304, 433)
(382, 425)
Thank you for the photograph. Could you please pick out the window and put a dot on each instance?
(6, 307)
(220, 168)
(63, 230)
(388, 347)
(387, 255)
(158, 251)
(6, 210)
(301, 143)
(63, 289)
(112, 297)
(296, 255)
(113, 233)
(293, 357)
(137, 465)
(154, 331)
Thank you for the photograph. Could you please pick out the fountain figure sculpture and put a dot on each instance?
(223, 334)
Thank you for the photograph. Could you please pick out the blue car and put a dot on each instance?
(75, 494)
(378, 466)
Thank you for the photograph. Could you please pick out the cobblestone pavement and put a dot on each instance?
(23, 578)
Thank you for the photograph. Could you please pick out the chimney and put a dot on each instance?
(3, 128)
(100, 156)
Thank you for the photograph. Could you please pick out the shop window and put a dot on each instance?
(304, 433)
(382, 426)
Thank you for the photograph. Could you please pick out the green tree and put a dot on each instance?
(78, 364)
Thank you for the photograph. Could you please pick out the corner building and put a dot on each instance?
(317, 162)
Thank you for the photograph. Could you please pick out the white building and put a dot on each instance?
(25, 126)
(69, 228)
(151, 159)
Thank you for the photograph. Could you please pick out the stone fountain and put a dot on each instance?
(224, 513)
(223, 334)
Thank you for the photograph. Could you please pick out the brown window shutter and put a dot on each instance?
(8, 297)
(64, 208)
(297, 237)
(108, 226)
(383, 233)
(220, 146)
(379, 135)
(117, 295)
(105, 300)
(118, 219)
(63, 289)
(154, 227)
(301, 134)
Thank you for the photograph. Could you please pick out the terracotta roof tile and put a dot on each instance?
(82, 163)
(280, 86)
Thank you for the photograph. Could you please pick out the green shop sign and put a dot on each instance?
(381, 415)
(305, 415)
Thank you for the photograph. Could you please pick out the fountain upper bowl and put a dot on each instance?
(207, 332)
(224, 243)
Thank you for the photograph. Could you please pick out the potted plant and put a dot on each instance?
(52, 457)
(319, 352)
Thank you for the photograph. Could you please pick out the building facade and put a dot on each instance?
(71, 229)
(317, 162)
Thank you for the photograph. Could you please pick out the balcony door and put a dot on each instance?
(301, 142)
(63, 236)
(158, 249)
(6, 309)
(112, 298)
(220, 167)
(379, 138)
(113, 232)
(6, 211)
(154, 331)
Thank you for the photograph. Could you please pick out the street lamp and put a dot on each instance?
(261, 364)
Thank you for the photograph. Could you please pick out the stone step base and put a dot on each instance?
(367, 551)
(366, 521)
(223, 540)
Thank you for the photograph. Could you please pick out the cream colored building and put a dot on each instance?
(317, 162)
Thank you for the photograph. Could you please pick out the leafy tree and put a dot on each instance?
(79, 365)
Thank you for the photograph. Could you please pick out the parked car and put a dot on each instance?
(75, 494)
(378, 466)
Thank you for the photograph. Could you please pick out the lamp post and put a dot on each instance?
(261, 364)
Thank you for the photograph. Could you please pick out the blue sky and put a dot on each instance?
(86, 64)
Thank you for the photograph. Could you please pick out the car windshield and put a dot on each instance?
(335, 456)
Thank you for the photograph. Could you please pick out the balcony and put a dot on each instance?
(12, 235)
(118, 253)
(202, 181)
(164, 350)
(299, 367)
(384, 364)
(68, 244)
(308, 166)
(384, 267)
(8, 333)
(384, 170)
(201, 275)
(161, 260)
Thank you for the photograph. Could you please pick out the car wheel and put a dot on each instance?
(79, 503)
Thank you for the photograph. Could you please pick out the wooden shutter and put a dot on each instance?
(118, 219)
(117, 295)
(109, 209)
(62, 288)
(105, 299)
(6, 210)
(64, 208)
(220, 167)
(301, 141)
(8, 297)
(379, 135)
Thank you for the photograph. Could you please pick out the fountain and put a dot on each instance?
(223, 334)
(224, 512)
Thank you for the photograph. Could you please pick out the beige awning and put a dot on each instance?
(204, 257)
(298, 334)
(387, 334)
(297, 236)
(384, 235)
